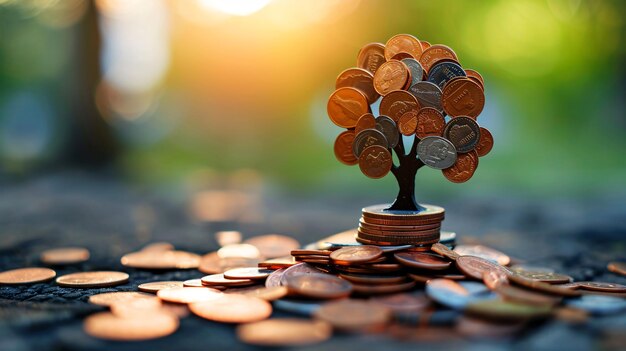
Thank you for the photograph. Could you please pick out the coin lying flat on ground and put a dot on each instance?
(268, 293)
(233, 308)
(220, 280)
(422, 260)
(96, 279)
(318, 286)
(484, 252)
(354, 315)
(64, 255)
(106, 325)
(357, 254)
(253, 273)
(153, 287)
(284, 332)
(110, 298)
(188, 295)
(29, 275)
(161, 260)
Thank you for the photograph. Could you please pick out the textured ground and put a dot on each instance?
(574, 237)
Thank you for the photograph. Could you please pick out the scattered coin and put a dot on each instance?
(445, 251)
(617, 267)
(284, 332)
(153, 259)
(153, 287)
(358, 254)
(354, 315)
(541, 286)
(273, 245)
(483, 252)
(220, 280)
(65, 255)
(476, 267)
(193, 283)
(29, 275)
(295, 270)
(233, 308)
(551, 278)
(96, 279)
(228, 237)
(422, 260)
(188, 295)
(268, 293)
(253, 273)
(318, 286)
(600, 286)
(110, 298)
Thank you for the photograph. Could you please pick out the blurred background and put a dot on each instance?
(199, 96)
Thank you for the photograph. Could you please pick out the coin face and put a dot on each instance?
(65, 255)
(483, 252)
(367, 138)
(375, 161)
(463, 133)
(152, 325)
(284, 332)
(318, 286)
(422, 260)
(92, 279)
(407, 124)
(485, 142)
(403, 43)
(463, 97)
(253, 273)
(357, 254)
(371, 56)
(389, 129)
(434, 54)
(343, 148)
(417, 72)
(367, 121)
(476, 267)
(354, 315)
(430, 122)
(161, 260)
(443, 72)
(397, 103)
(436, 152)
(546, 277)
(29, 275)
(360, 79)
(233, 308)
(495, 279)
(153, 287)
(346, 105)
(188, 295)
(463, 169)
(125, 297)
(392, 75)
(427, 94)
(273, 245)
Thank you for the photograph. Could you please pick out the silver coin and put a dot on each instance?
(417, 72)
(457, 295)
(463, 133)
(447, 237)
(367, 138)
(389, 128)
(428, 94)
(436, 152)
(599, 304)
(442, 72)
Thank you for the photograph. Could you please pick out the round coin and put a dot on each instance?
(188, 295)
(371, 56)
(284, 332)
(124, 297)
(389, 129)
(367, 121)
(357, 254)
(29, 275)
(367, 138)
(345, 106)
(233, 308)
(354, 315)
(318, 286)
(543, 287)
(430, 122)
(268, 294)
(153, 287)
(65, 255)
(161, 260)
(422, 260)
(436, 152)
(463, 169)
(463, 133)
(546, 277)
(391, 75)
(274, 279)
(475, 76)
(434, 54)
(96, 279)
(444, 72)
(253, 273)
(600, 286)
(444, 251)
(427, 94)
(476, 267)
(343, 148)
(417, 72)
(485, 142)
(295, 270)
(375, 161)
(617, 267)
(463, 97)
(484, 252)
(403, 43)
(398, 102)
(430, 212)
(220, 280)
(151, 325)
(273, 245)
(360, 79)
(407, 124)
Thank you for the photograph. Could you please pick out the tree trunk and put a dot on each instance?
(405, 201)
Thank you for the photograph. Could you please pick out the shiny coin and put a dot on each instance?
(373, 279)
(343, 148)
(403, 43)
(434, 54)
(346, 105)
(391, 75)
(444, 251)
(463, 97)
(483, 252)
(228, 237)
(161, 260)
(389, 129)
(357, 254)
(430, 122)
(541, 286)
(617, 267)
(397, 103)
(427, 94)
(503, 310)
(367, 138)
(268, 294)
(275, 278)
(551, 278)
(318, 286)
(443, 72)
(297, 269)
(367, 121)
(494, 279)
(371, 56)
(381, 212)
(463, 169)
(301, 252)
(220, 280)
(476, 77)
(407, 123)
(152, 325)
(244, 250)
(193, 283)
(188, 295)
(354, 315)
(153, 287)
(476, 267)
(422, 260)
(600, 286)
(417, 72)
(277, 263)
(485, 142)
(66, 255)
(273, 245)
(92, 279)
(436, 152)
(360, 79)
(253, 273)
(158, 246)
(463, 133)
(125, 297)
(515, 294)
(457, 295)
(380, 289)
(375, 161)
(598, 304)
(233, 308)
(284, 332)
(29, 275)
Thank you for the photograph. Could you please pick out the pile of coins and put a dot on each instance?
(426, 94)
(380, 226)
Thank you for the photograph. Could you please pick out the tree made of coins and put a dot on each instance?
(426, 95)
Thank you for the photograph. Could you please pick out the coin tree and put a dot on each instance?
(427, 96)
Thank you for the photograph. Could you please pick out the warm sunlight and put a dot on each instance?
(236, 7)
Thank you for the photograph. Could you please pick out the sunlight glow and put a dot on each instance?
(236, 7)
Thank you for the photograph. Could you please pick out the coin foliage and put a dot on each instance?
(375, 161)
(392, 75)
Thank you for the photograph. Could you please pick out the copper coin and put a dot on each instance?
(403, 43)
(546, 277)
(434, 54)
(253, 273)
(422, 260)
(125, 297)
(367, 121)
(369, 239)
(277, 263)
(284, 332)
(297, 269)
(515, 294)
(380, 289)
(398, 228)
(370, 279)
(65, 255)
(106, 325)
(371, 56)
(384, 267)
(485, 142)
(354, 315)
(617, 267)
(399, 234)
(463, 97)
(274, 245)
(484, 252)
(474, 75)
(476, 267)
(92, 279)
(275, 278)
(367, 138)
(463, 133)
(360, 79)
(403, 303)
(210, 264)
(375, 161)
(407, 123)
(343, 148)
(543, 287)
(345, 106)
(228, 237)
(401, 56)
(318, 286)
(268, 294)
(158, 246)
(494, 279)
(239, 251)
(430, 212)
(153, 287)
(29, 275)
(401, 222)
(188, 295)
(161, 260)
(445, 251)
(397, 103)
(392, 75)
(425, 44)
(311, 252)
(430, 122)
(357, 254)
(462, 170)
(600, 286)
(220, 280)
(233, 308)
(193, 283)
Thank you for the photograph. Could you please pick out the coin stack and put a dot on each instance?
(379, 226)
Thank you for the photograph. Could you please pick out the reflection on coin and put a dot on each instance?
(417, 72)
(161, 260)
(273, 245)
(375, 161)
(29, 275)
(456, 295)
(551, 278)
(367, 138)
(367, 121)
(484, 252)
(617, 267)
(106, 325)
(318, 286)
(397, 103)
(463, 133)
(403, 43)
(268, 294)
(443, 72)
(107, 299)
(494, 279)
(284, 332)
(600, 286)
(193, 283)
(428, 94)
(345, 106)
(233, 308)
(476, 267)
(354, 315)
(188, 295)
(436, 152)
(92, 279)
(276, 263)
(389, 129)
(153, 287)
(228, 237)
(371, 56)
(253, 273)
(343, 148)
(391, 75)
(297, 269)
(357, 254)
(220, 280)
(422, 260)
(239, 251)
(65, 255)
(360, 79)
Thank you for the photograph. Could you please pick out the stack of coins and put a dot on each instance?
(379, 226)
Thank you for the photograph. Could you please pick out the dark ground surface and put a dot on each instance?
(70, 209)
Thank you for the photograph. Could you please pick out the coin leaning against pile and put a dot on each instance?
(426, 94)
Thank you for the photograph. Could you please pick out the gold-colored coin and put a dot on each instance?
(233, 308)
(403, 43)
(153, 259)
(392, 75)
(284, 332)
(106, 325)
(127, 297)
(188, 295)
(96, 279)
(29, 275)
(65, 255)
(346, 105)
(153, 287)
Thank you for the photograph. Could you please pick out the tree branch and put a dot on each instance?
(413, 152)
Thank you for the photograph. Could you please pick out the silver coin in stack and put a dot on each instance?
(443, 72)
(428, 94)
(417, 71)
(380, 211)
(389, 129)
(463, 133)
(367, 138)
(436, 152)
